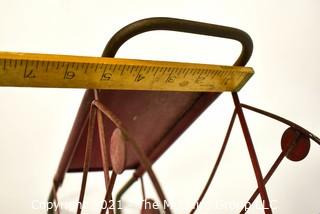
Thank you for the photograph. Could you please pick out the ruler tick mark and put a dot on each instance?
(47, 66)
(124, 66)
(114, 68)
(86, 69)
(4, 64)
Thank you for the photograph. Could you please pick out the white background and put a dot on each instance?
(35, 123)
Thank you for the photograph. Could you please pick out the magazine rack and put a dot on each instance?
(117, 130)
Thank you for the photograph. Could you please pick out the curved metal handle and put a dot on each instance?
(180, 25)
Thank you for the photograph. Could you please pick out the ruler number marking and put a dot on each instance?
(29, 74)
(200, 78)
(139, 76)
(106, 75)
(69, 75)
(171, 78)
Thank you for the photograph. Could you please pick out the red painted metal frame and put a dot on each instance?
(153, 120)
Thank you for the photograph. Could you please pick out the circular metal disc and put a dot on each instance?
(118, 149)
(299, 142)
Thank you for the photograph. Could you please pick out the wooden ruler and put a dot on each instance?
(62, 71)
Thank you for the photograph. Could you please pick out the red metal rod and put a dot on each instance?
(103, 146)
(69, 153)
(55, 197)
(105, 153)
(107, 199)
(253, 155)
(285, 121)
(225, 142)
(142, 188)
(88, 152)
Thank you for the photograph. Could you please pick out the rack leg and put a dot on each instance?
(88, 152)
(253, 155)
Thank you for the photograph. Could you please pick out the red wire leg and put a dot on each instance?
(103, 146)
(88, 152)
(107, 200)
(225, 142)
(253, 155)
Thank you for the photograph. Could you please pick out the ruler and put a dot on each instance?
(63, 71)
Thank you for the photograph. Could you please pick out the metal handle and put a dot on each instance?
(180, 25)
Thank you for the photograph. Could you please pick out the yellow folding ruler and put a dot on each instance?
(62, 71)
